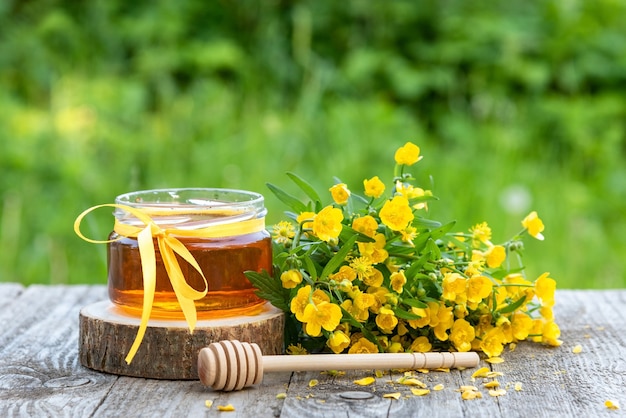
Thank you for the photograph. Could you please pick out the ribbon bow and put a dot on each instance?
(168, 246)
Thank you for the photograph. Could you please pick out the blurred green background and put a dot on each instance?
(516, 106)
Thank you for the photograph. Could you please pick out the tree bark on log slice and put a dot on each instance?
(168, 349)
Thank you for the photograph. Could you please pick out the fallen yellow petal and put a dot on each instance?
(491, 375)
(281, 395)
(438, 387)
(482, 372)
(495, 360)
(470, 394)
(468, 388)
(365, 381)
(492, 384)
(379, 373)
(395, 395)
(208, 403)
(577, 349)
(411, 381)
(313, 383)
(225, 408)
(442, 369)
(497, 392)
(611, 404)
(420, 392)
(518, 386)
(424, 371)
(512, 347)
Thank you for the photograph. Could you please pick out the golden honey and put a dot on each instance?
(223, 259)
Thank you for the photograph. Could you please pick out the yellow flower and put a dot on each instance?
(363, 346)
(545, 288)
(362, 266)
(359, 314)
(301, 300)
(380, 296)
(421, 345)
(444, 321)
(321, 315)
(454, 287)
(283, 232)
(362, 300)
(481, 233)
(340, 193)
(409, 234)
(495, 256)
(478, 288)
(306, 216)
(374, 187)
(493, 341)
(386, 320)
(366, 225)
(396, 213)
(374, 251)
(424, 313)
(338, 341)
(534, 225)
(327, 223)
(291, 278)
(375, 278)
(521, 324)
(408, 154)
(398, 280)
(344, 273)
(461, 335)
(550, 334)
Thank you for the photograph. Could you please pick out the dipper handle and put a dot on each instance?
(233, 365)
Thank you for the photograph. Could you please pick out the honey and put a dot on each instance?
(223, 259)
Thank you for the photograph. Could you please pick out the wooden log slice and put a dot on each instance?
(168, 349)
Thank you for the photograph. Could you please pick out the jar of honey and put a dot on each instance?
(223, 230)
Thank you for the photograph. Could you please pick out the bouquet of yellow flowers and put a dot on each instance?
(371, 273)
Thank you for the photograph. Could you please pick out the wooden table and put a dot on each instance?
(40, 374)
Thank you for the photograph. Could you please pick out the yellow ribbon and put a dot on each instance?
(169, 246)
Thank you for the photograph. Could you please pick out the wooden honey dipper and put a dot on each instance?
(233, 365)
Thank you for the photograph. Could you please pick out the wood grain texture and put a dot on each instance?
(40, 374)
(168, 350)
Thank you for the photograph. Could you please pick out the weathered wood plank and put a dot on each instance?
(40, 374)
(557, 382)
(39, 371)
(8, 292)
(168, 398)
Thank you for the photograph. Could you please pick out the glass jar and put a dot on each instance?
(243, 244)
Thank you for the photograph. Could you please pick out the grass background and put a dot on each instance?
(517, 106)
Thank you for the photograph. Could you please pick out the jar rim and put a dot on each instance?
(219, 204)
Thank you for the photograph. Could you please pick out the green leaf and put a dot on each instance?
(289, 200)
(417, 265)
(310, 266)
(347, 232)
(433, 249)
(414, 303)
(269, 288)
(405, 315)
(334, 263)
(305, 187)
(502, 273)
(425, 223)
(513, 306)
